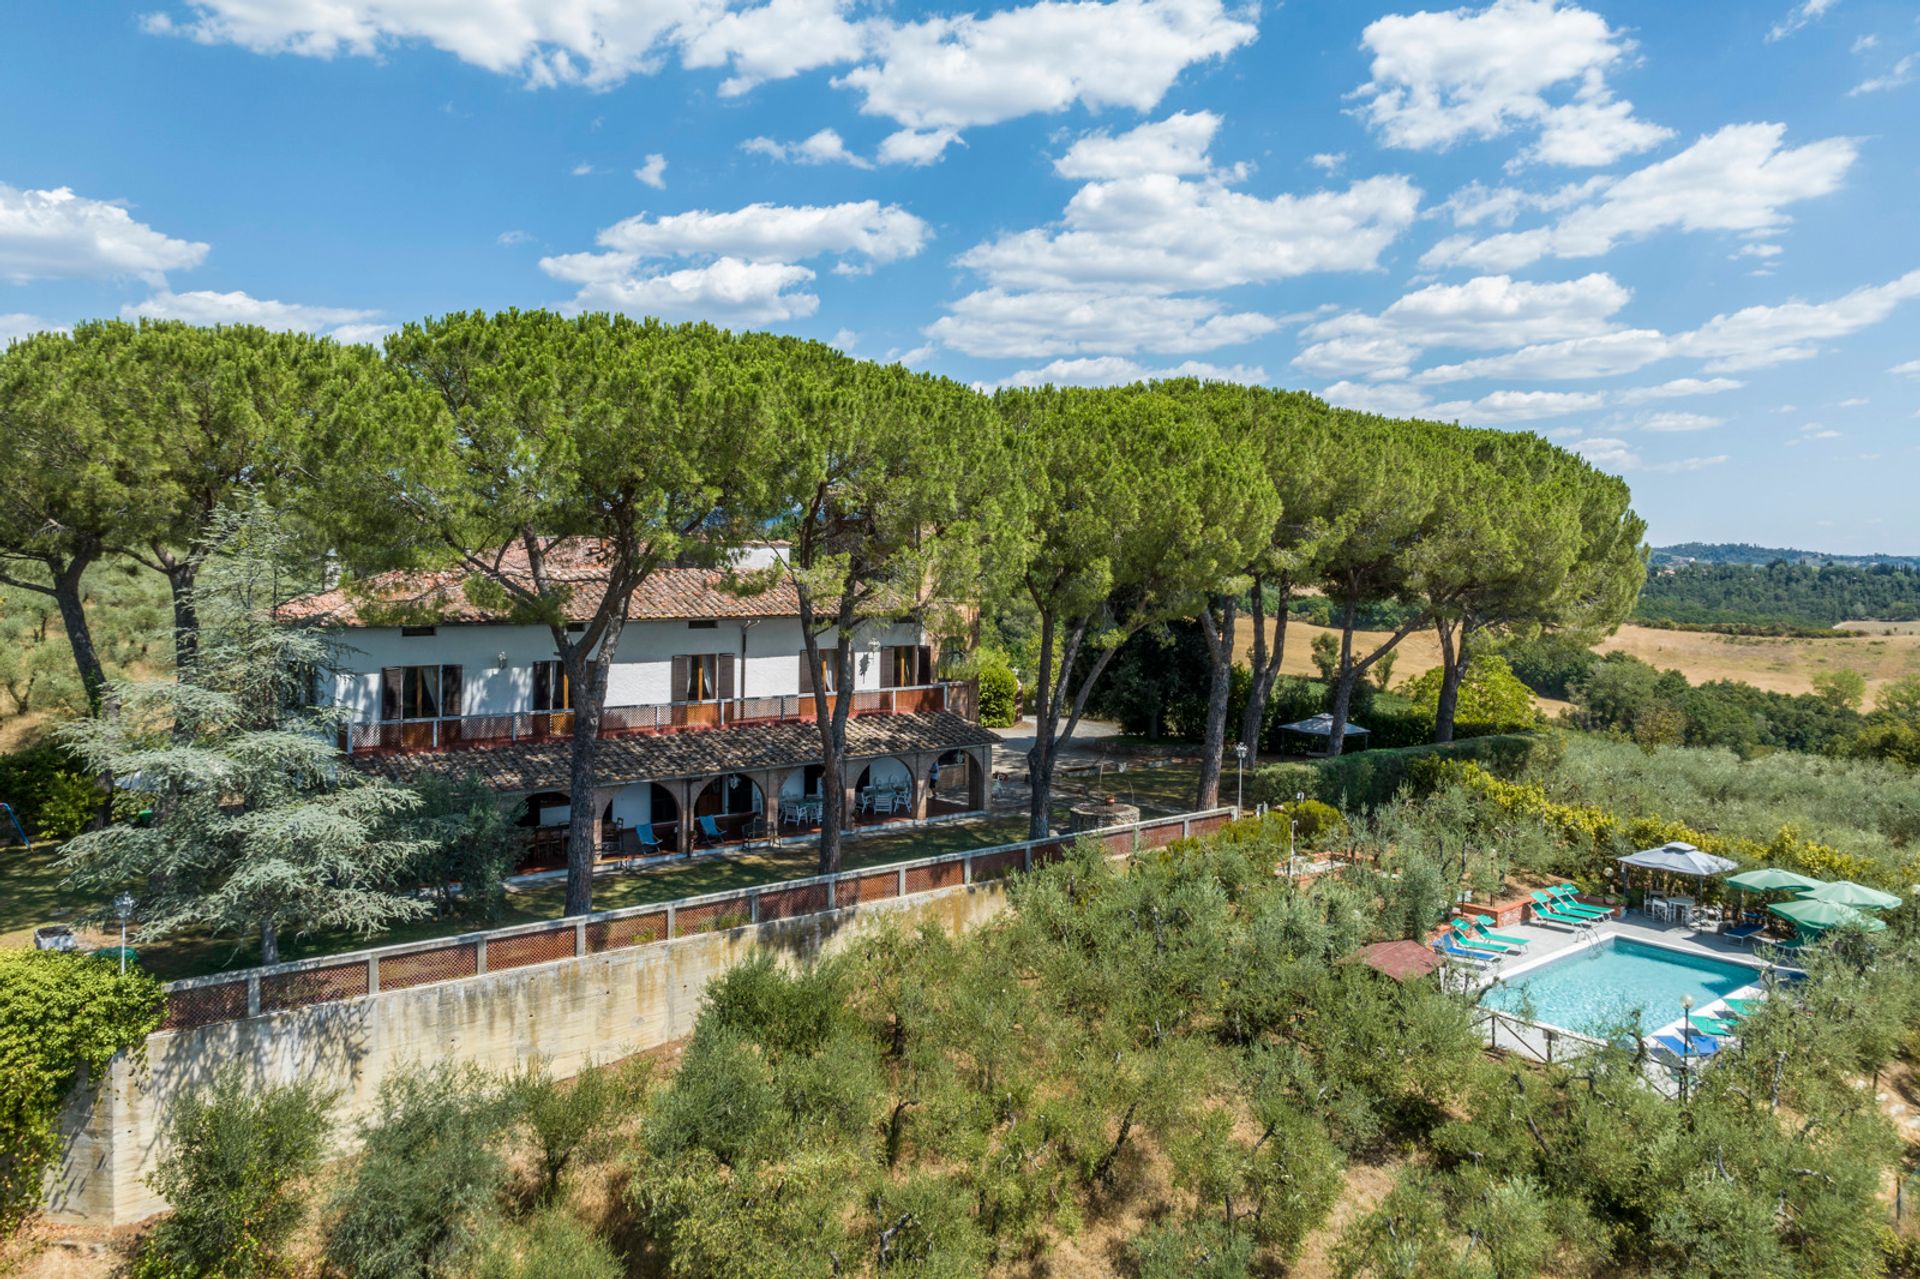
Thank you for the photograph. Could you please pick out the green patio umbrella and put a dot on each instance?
(1820, 916)
(1847, 893)
(1772, 879)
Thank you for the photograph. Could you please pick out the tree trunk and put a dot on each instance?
(67, 597)
(269, 942)
(1266, 666)
(1218, 631)
(1349, 675)
(587, 672)
(1453, 669)
(1040, 754)
(831, 722)
(1049, 739)
(186, 617)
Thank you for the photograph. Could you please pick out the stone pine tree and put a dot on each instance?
(1384, 479)
(898, 503)
(1138, 508)
(256, 826)
(554, 465)
(228, 410)
(74, 481)
(1246, 419)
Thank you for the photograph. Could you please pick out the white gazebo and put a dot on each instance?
(1321, 727)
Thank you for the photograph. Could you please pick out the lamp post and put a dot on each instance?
(123, 907)
(1239, 776)
(1686, 1044)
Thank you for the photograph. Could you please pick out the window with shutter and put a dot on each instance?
(724, 689)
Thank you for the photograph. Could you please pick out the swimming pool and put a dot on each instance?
(1598, 988)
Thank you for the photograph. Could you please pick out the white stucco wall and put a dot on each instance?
(641, 673)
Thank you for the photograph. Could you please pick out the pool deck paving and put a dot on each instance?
(1548, 942)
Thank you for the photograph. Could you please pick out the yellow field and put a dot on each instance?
(1778, 665)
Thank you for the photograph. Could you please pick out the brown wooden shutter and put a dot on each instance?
(806, 674)
(452, 703)
(677, 691)
(726, 677)
(393, 682)
(926, 664)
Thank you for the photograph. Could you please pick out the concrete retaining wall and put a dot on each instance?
(570, 1012)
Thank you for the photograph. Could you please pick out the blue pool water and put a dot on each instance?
(1597, 988)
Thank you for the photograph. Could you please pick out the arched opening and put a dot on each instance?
(800, 799)
(544, 816)
(642, 820)
(883, 792)
(727, 810)
(954, 785)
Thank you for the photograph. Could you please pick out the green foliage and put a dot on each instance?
(256, 825)
(552, 1245)
(1202, 1249)
(51, 793)
(1549, 664)
(1370, 778)
(1843, 689)
(235, 1154)
(466, 843)
(1807, 595)
(999, 691)
(1624, 695)
(1418, 894)
(1326, 656)
(1491, 698)
(568, 1122)
(429, 1171)
(126, 610)
(61, 1014)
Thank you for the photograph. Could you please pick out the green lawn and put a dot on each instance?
(31, 893)
(1155, 790)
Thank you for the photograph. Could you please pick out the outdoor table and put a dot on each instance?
(1682, 907)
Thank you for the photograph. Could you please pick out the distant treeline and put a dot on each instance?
(1756, 556)
(1778, 595)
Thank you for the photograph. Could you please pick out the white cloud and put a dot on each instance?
(845, 339)
(770, 42)
(1160, 232)
(653, 172)
(727, 290)
(511, 238)
(1762, 335)
(1737, 179)
(823, 147)
(207, 307)
(994, 323)
(1673, 422)
(1900, 75)
(1114, 371)
(1500, 407)
(1328, 161)
(1475, 202)
(1439, 78)
(1488, 311)
(747, 260)
(1799, 16)
(1853, 402)
(1177, 144)
(1865, 43)
(1910, 368)
(915, 147)
(55, 234)
(774, 232)
(1610, 451)
(1605, 355)
(1678, 388)
(15, 325)
(955, 72)
(1393, 399)
(582, 170)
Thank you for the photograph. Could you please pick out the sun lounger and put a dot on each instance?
(1452, 950)
(1569, 899)
(1565, 910)
(1693, 1048)
(1743, 1007)
(1744, 932)
(1714, 1026)
(1544, 914)
(1467, 936)
(1483, 926)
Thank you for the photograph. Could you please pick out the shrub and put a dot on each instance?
(550, 1246)
(233, 1153)
(51, 792)
(60, 1014)
(1491, 698)
(573, 1119)
(428, 1172)
(999, 691)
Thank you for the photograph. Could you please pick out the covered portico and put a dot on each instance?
(735, 786)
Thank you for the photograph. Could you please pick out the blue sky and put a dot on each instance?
(1679, 238)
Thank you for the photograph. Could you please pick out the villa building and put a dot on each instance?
(709, 735)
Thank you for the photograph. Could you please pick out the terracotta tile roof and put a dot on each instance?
(392, 599)
(542, 765)
(1399, 960)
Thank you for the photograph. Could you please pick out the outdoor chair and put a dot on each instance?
(1745, 932)
(1453, 950)
(1695, 1047)
(1570, 904)
(1483, 925)
(648, 841)
(709, 830)
(1549, 915)
(883, 804)
(1566, 909)
(1715, 1026)
(1468, 936)
(1743, 1008)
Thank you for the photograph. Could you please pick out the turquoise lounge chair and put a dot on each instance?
(1575, 910)
(1543, 914)
(1452, 950)
(1484, 927)
(1467, 936)
(1742, 1008)
(1713, 1026)
(1569, 898)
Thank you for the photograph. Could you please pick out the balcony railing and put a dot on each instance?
(449, 732)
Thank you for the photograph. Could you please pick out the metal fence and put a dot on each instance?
(201, 1001)
(1535, 1042)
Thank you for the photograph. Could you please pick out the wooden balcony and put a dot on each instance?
(468, 731)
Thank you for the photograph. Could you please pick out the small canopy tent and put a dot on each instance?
(1320, 728)
(1679, 859)
(1845, 892)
